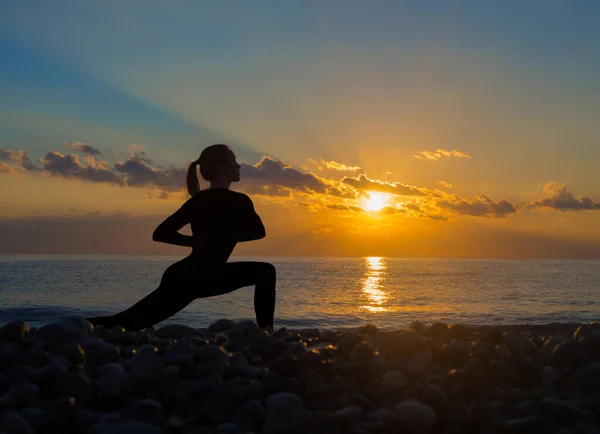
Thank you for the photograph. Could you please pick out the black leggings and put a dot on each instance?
(187, 280)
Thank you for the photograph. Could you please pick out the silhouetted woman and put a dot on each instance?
(219, 218)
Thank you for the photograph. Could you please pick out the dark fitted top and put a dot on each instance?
(219, 218)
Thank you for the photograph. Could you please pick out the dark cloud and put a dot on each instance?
(19, 158)
(342, 207)
(69, 166)
(276, 172)
(137, 172)
(362, 182)
(412, 206)
(438, 217)
(480, 206)
(557, 197)
(83, 148)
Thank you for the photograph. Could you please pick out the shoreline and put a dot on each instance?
(232, 377)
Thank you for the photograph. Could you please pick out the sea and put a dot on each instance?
(326, 293)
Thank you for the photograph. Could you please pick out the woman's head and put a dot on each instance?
(217, 165)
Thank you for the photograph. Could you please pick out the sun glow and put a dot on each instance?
(376, 201)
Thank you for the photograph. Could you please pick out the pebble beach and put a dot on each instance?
(232, 377)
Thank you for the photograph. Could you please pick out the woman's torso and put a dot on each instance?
(213, 216)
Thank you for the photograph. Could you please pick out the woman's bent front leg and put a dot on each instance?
(235, 275)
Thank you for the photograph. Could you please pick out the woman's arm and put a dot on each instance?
(250, 226)
(168, 230)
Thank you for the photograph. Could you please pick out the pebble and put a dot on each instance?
(25, 394)
(14, 332)
(148, 410)
(12, 422)
(176, 331)
(237, 378)
(412, 415)
(392, 381)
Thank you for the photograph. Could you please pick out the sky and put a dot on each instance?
(389, 128)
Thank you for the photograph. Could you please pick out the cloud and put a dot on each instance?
(362, 182)
(557, 197)
(322, 231)
(268, 173)
(445, 184)
(69, 166)
(390, 210)
(19, 158)
(334, 165)
(436, 155)
(83, 148)
(479, 206)
(137, 172)
(5, 168)
(269, 177)
(342, 207)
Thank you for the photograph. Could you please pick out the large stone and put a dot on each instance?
(12, 422)
(437, 330)
(362, 352)
(9, 355)
(14, 332)
(148, 410)
(567, 354)
(72, 329)
(221, 326)
(149, 370)
(254, 410)
(98, 351)
(144, 353)
(351, 413)
(112, 379)
(180, 353)
(411, 415)
(266, 346)
(586, 380)
(73, 352)
(25, 394)
(176, 331)
(392, 381)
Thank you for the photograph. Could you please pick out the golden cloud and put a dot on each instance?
(439, 153)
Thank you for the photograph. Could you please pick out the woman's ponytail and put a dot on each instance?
(193, 186)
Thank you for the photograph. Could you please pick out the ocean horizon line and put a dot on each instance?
(303, 257)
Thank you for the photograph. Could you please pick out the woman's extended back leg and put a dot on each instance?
(185, 281)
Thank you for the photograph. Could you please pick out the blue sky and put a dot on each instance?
(123, 66)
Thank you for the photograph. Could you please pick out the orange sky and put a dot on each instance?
(72, 204)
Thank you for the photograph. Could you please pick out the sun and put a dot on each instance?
(376, 201)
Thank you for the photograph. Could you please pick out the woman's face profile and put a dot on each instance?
(231, 170)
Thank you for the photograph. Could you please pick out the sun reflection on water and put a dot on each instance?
(372, 288)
